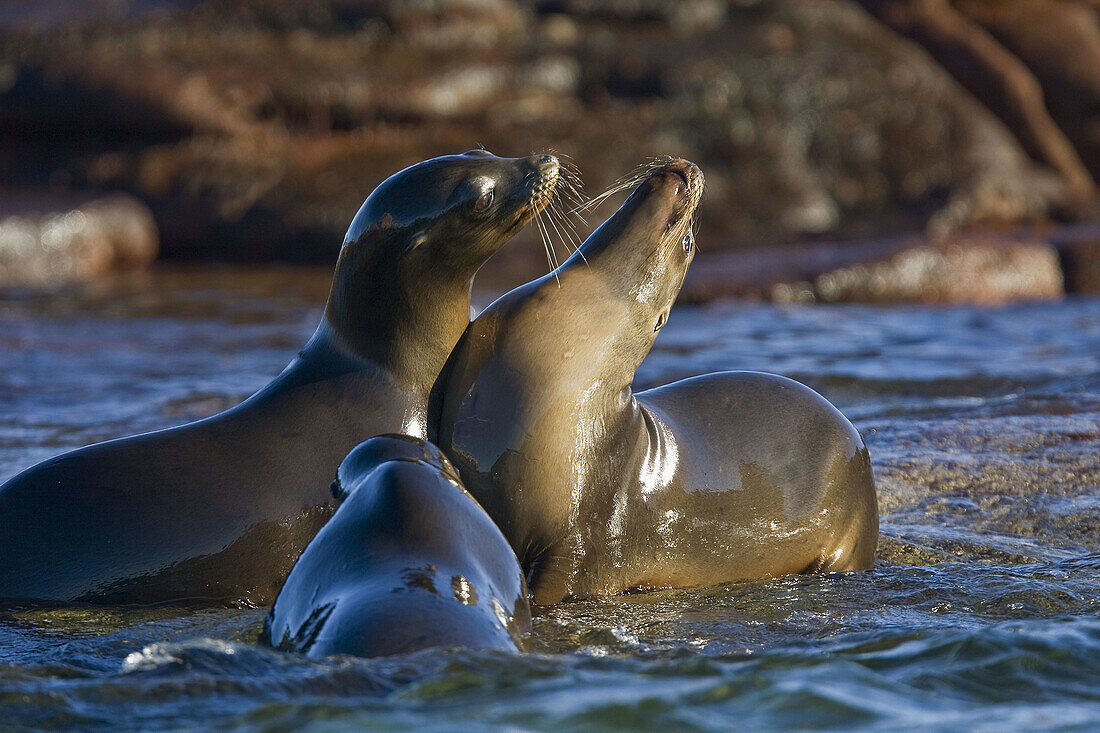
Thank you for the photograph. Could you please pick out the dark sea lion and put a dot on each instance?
(711, 479)
(409, 561)
(220, 508)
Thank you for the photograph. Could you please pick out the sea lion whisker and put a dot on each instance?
(561, 231)
(588, 204)
(550, 239)
(571, 233)
(553, 223)
(571, 195)
(573, 200)
(654, 162)
(675, 235)
(615, 187)
(561, 226)
(570, 186)
(647, 166)
(573, 238)
(573, 178)
(571, 210)
(546, 223)
(560, 191)
(600, 198)
(570, 169)
(569, 174)
(568, 190)
(567, 165)
(629, 180)
(546, 246)
(542, 237)
(572, 175)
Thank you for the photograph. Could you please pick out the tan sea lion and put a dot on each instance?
(220, 508)
(711, 479)
(409, 561)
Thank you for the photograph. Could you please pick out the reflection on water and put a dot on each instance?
(984, 428)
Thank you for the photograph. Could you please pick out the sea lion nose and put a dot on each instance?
(545, 162)
(689, 175)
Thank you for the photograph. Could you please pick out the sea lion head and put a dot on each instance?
(646, 246)
(454, 211)
(401, 292)
(372, 453)
(636, 260)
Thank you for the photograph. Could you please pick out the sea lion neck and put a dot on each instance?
(377, 312)
(587, 326)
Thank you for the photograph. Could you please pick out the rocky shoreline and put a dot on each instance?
(905, 131)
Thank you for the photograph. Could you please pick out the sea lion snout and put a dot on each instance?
(545, 161)
(546, 168)
(688, 176)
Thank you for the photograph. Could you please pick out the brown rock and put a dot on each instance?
(993, 74)
(1059, 42)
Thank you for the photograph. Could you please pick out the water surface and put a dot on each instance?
(984, 430)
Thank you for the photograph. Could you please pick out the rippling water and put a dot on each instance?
(981, 614)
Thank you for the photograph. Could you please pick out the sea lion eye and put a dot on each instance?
(484, 201)
(687, 241)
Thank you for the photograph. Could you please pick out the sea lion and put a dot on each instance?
(711, 479)
(219, 509)
(409, 561)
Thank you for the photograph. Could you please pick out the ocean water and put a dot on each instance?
(981, 612)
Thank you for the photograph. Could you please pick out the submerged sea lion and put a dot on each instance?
(599, 490)
(220, 508)
(409, 561)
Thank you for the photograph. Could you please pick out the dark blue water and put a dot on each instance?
(981, 614)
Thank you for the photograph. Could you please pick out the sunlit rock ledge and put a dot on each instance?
(48, 242)
(978, 268)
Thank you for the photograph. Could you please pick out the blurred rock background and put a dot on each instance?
(907, 149)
